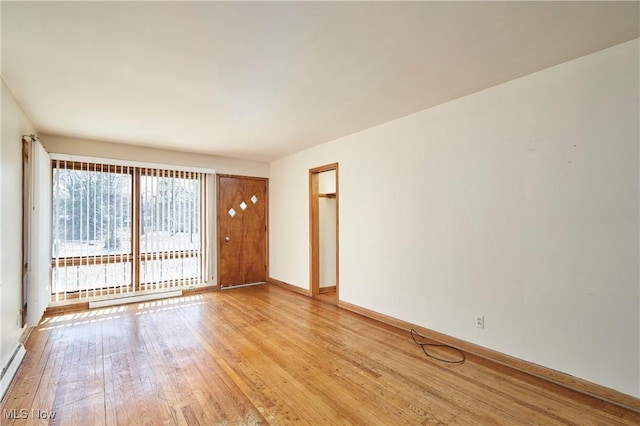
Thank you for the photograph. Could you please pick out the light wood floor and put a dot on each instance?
(330, 297)
(267, 355)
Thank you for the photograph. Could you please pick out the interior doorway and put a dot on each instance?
(324, 232)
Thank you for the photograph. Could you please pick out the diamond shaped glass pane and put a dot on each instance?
(254, 199)
(232, 212)
(243, 206)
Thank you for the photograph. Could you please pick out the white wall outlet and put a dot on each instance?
(480, 321)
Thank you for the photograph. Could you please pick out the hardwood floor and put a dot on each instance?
(266, 355)
(329, 297)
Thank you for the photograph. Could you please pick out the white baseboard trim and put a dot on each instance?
(9, 370)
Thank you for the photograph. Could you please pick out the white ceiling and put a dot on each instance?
(261, 80)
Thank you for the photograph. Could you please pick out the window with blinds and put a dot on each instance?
(121, 229)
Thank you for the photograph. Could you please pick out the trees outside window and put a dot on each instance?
(121, 229)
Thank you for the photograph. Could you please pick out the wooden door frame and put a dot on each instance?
(314, 229)
(266, 219)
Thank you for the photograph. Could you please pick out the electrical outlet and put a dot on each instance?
(480, 321)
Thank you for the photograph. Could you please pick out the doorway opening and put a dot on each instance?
(324, 220)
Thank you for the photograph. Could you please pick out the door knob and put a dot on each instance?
(227, 239)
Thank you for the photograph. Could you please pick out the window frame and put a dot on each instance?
(135, 257)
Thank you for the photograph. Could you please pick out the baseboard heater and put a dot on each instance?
(9, 371)
(134, 299)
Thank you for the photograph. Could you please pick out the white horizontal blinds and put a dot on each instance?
(171, 234)
(91, 224)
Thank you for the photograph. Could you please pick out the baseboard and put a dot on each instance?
(25, 335)
(9, 370)
(570, 382)
(288, 286)
(323, 290)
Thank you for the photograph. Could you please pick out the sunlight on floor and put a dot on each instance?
(169, 304)
(80, 318)
(106, 314)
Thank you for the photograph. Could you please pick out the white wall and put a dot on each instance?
(327, 229)
(14, 125)
(327, 182)
(519, 202)
(327, 235)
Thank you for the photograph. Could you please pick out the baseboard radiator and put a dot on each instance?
(134, 299)
(9, 370)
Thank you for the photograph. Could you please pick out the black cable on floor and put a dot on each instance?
(423, 345)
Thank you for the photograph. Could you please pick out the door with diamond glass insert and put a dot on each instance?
(242, 230)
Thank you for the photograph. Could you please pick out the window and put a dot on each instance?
(91, 239)
(119, 229)
(170, 237)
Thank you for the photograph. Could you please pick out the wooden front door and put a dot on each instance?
(242, 230)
